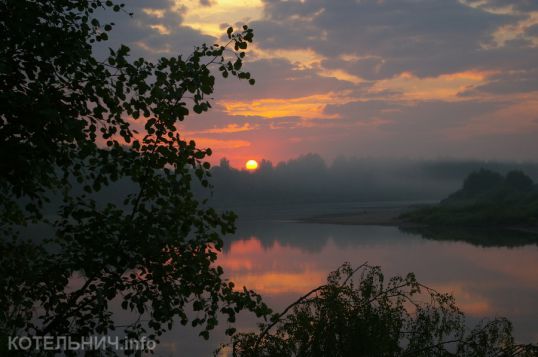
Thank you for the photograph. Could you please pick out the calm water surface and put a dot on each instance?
(491, 273)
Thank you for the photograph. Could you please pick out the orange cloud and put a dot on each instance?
(341, 75)
(163, 30)
(157, 13)
(444, 87)
(209, 19)
(309, 107)
(220, 144)
(228, 129)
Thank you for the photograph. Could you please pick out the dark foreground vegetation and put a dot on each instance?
(361, 313)
(487, 199)
(68, 122)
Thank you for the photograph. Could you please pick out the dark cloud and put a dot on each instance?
(206, 2)
(278, 78)
(427, 38)
(431, 116)
(358, 111)
(148, 42)
(532, 31)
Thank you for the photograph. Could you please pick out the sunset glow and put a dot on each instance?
(404, 87)
(283, 269)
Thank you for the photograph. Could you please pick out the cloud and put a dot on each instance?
(156, 28)
(309, 107)
(206, 2)
(411, 36)
(228, 129)
(376, 78)
(503, 6)
(279, 78)
(517, 31)
(218, 144)
(445, 87)
(523, 81)
(212, 17)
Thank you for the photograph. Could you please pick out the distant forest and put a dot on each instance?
(486, 198)
(309, 178)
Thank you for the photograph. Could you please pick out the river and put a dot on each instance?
(491, 273)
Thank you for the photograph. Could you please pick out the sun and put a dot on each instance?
(251, 165)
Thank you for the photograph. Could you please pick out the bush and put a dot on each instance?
(371, 316)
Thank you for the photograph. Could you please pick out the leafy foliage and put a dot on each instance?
(482, 181)
(67, 122)
(490, 185)
(375, 317)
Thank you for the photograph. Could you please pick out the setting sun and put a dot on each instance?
(251, 165)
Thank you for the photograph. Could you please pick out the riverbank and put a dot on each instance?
(392, 216)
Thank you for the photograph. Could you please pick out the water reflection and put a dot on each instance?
(282, 260)
(492, 237)
(490, 273)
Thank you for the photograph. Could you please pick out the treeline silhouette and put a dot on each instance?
(486, 198)
(309, 179)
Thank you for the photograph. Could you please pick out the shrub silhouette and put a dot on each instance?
(374, 316)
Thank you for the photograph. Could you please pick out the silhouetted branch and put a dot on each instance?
(299, 301)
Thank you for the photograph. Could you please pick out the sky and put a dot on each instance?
(366, 78)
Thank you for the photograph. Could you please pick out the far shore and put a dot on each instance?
(388, 216)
